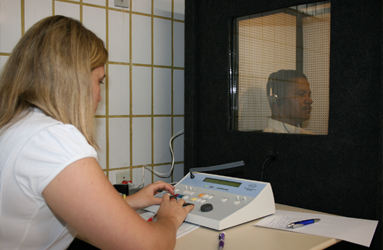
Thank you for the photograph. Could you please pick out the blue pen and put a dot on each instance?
(221, 238)
(302, 223)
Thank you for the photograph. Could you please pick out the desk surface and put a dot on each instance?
(248, 236)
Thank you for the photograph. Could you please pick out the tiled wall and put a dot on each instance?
(143, 96)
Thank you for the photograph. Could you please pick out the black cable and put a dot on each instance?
(271, 155)
(265, 163)
(282, 121)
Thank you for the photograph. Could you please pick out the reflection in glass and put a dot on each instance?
(280, 70)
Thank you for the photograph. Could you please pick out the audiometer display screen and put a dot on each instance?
(222, 182)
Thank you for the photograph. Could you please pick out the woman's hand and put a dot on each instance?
(173, 211)
(145, 197)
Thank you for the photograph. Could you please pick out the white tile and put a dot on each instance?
(137, 177)
(10, 25)
(162, 170)
(163, 8)
(95, 20)
(178, 142)
(35, 10)
(119, 90)
(67, 9)
(101, 141)
(141, 39)
(162, 135)
(95, 2)
(178, 172)
(118, 36)
(179, 9)
(142, 140)
(142, 6)
(179, 44)
(3, 60)
(162, 91)
(142, 90)
(178, 92)
(119, 142)
(162, 42)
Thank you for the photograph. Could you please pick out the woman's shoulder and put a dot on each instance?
(46, 127)
(36, 120)
(37, 126)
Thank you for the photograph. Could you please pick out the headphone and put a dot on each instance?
(273, 99)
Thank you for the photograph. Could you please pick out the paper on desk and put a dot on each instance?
(184, 229)
(353, 230)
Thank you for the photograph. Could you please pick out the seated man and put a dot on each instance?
(290, 102)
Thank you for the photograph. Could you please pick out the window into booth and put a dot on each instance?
(280, 70)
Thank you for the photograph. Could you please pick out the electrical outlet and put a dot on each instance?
(122, 3)
(122, 176)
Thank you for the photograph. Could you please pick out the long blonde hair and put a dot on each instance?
(50, 68)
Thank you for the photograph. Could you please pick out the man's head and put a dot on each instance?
(289, 96)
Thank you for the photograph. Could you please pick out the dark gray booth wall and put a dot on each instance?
(338, 173)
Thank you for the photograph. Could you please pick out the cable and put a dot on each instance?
(265, 163)
(282, 121)
(271, 155)
(164, 175)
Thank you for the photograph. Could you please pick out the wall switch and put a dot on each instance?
(122, 176)
(122, 3)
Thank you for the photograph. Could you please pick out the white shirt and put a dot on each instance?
(32, 153)
(274, 126)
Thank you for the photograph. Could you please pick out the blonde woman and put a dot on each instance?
(51, 185)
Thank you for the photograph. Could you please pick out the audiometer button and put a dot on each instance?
(207, 196)
(201, 195)
(224, 199)
(185, 197)
(206, 207)
(193, 199)
(236, 202)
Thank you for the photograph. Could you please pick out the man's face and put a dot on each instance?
(296, 107)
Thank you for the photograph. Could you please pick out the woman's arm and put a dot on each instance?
(83, 197)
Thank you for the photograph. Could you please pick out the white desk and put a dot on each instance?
(248, 236)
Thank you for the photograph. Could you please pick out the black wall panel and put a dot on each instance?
(338, 173)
